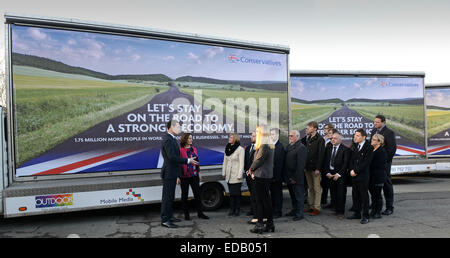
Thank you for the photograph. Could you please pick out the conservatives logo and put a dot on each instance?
(245, 60)
(57, 200)
(399, 84)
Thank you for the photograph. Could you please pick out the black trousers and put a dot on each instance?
(276, 191)
(168, 195)
(251, 188)
(325, 184)
(361, 197)
(338, 192)
(263, 200)
(194, 182)
(388, 189)
(376, 198)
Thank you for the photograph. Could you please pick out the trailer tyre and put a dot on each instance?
(211, 196)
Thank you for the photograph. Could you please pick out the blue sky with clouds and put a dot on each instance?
(113, 54)
(345, 88)
(438, 97)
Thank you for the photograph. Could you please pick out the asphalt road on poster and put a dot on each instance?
(347, 127)
(100, 130)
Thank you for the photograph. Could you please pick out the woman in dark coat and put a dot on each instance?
(377, 175)
(261, 171)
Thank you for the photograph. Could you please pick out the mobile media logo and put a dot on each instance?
(57, 200)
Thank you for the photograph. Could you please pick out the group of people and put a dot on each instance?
(325, 163)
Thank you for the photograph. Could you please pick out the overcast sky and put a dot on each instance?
(345, 88)
(400, 35)
(118, 55)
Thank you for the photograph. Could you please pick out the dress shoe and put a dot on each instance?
(375, 216)
(289, 214)
(270, 227)
(258, 229)
(202, 216)
(364, 220)
(168, 224)
(387, 212)
(308, 210)
(231, 212)
(315, 212)
(354, 216)
(174, 220)
(296, 218)
(187, 216)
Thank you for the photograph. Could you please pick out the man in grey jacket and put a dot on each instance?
(294, 171)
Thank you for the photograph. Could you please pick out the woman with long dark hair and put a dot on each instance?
(190, 177)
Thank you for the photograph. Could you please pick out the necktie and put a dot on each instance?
(333, 156)
(359, 147)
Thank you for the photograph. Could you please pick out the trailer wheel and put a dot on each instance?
(211, 196)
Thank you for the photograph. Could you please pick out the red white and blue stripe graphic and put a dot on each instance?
(404, 150)
(107, 161)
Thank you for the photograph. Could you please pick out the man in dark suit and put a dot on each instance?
(171, 172)
(248, 160)
(390, 146)
(359, 171)
(276, 188)
(294, 167)
(335, 168)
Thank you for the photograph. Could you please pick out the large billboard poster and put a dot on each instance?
(86, 102)
(438, 120)
(352, 102)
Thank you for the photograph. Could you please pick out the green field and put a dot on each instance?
(50, 110)
(437, 121)
(304, 113)
(405, 120)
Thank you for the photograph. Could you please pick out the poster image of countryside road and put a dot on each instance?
(353, 102)
(87, 102)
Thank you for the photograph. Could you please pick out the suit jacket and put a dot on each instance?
(390, 144)
(360, 162)
(278, 162)
(295, 162)
(248, 157)
(262, 165)
(340, 161)
(316, 149)
(170, 150)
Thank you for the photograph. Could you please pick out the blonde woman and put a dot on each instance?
(233, 170)
(377, 175)
(261, 171)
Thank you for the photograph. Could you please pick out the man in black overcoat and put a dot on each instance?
(276, 188)
(359, 171)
